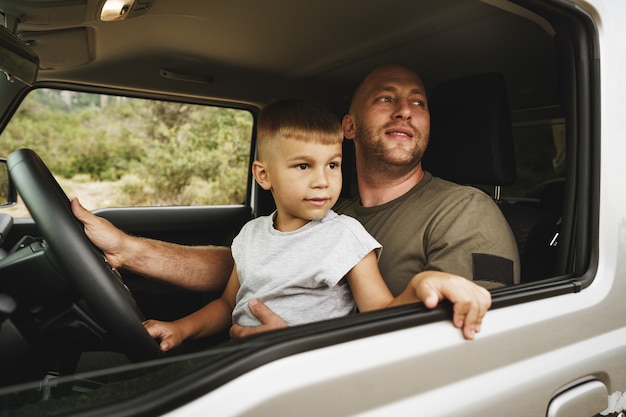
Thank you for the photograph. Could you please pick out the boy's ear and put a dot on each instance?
(349, 131)
(261, 175)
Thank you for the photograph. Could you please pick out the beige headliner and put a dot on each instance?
(253, 51)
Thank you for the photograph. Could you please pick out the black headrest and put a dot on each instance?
(471, 140)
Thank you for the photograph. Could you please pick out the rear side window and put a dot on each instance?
(539, 153)
(114, 151)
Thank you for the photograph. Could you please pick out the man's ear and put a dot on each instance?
(349, 131)
(261, 175)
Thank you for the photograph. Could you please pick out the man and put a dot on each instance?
(423, 222)
(390, 142)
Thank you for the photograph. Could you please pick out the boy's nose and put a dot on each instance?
(320, 179)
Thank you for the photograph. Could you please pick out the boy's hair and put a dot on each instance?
(297, 119)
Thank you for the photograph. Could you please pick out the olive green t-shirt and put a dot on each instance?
(440, 226)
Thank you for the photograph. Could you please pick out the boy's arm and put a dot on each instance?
(367, 285)
(212, 318)
(470, 300)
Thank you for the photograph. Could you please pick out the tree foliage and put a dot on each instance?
(160, 153)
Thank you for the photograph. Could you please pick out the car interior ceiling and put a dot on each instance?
(67, 41)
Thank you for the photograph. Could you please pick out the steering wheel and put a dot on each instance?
(87, 270)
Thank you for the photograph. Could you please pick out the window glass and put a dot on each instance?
(113, 151)
(61, 395)
(4, 183)
(540, 157)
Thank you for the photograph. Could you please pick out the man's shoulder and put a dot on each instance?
(448, 189)
(438, 184)
(431, 189)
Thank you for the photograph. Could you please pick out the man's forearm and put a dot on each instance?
(198, 268)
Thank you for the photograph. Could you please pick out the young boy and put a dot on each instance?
(304, 261)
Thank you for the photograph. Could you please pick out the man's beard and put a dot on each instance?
(378, 155)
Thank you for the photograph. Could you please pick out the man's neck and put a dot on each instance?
(376, 188)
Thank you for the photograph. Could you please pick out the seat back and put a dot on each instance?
(471, 139)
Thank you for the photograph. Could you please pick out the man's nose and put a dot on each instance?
(402, 110)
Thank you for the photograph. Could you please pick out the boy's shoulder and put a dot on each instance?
(257, 223)
(343, 219)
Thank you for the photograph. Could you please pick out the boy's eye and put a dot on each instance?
(302, 166)
(334, 165)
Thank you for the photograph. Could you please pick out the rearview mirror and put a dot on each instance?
(17, 60)
(8, 194)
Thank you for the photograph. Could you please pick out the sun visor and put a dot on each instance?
(60, 49)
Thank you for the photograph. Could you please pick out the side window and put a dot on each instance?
(4, 183)
(540, 157)
(114, 151)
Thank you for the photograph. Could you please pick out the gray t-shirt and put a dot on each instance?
(297, 274)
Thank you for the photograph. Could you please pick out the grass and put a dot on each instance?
(92, 195)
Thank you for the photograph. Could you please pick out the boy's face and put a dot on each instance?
(305, 180)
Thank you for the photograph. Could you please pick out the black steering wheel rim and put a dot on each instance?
(86, 268)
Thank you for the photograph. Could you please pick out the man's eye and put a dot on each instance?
(419, 102)
(384, 99)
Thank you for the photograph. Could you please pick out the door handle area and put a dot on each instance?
(584, 400)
